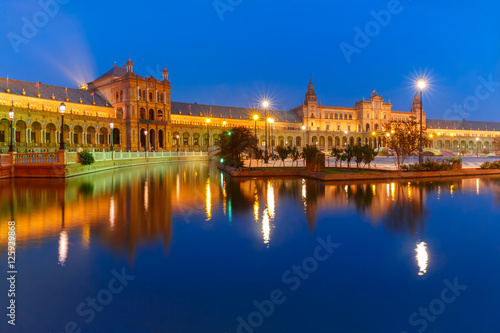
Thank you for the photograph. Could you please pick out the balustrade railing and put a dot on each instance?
(49, 158)
(37, 158)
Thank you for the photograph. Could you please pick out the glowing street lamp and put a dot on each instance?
(62, 109)
(177, 144)
(146, 138)
(11, 116)
(422, 84)
(112, 125)
(255, 117)
(265, 105)
(271, 122)
(388, 135)
(208, 133)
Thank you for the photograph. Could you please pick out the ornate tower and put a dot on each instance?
(165, 73)
(129, 65)
(415, 107)
(311, 102)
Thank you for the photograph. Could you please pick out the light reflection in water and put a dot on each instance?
(422, 257)
(256, 206)
(270, 199)
(393, 191)
(63, 247)
(112, 213)
(209, 200)
(266, 228)
(146, 195)
(86, 236)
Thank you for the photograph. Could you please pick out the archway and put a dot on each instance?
(289, 141)
(142, 113)
(4, 130)
(152, 139)
(161, 139)
(196, 139)
(20, 133)
(185, 138)
(298, 141)
(160, 115)
(91, 135)
(36, 131)
(368, 127)
(116, 136)
(151, 114)
(103, 135)
(330, 141)
(143, 138)
(77, 134)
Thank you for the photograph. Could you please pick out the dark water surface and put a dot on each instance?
(181, 248)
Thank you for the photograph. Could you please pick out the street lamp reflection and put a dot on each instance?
(422, 257)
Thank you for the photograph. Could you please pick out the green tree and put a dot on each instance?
(349, 154)
(282, 153)
(404, 138)
(309, 153)
(258, 154)
(294, 153)
(369, 154)
(235, 141)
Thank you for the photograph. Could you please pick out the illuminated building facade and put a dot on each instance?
(144, 117)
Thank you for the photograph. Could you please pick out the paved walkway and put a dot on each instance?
(388, 163)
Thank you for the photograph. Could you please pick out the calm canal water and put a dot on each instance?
(181, 248)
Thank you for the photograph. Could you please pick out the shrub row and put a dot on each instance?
(491, 165)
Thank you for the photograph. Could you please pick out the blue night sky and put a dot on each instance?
(255, 48)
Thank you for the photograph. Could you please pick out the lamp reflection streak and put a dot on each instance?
(209, 200)
(112, 216)
(266, 227)
(63, 247)
(422, 257)
(270, 199)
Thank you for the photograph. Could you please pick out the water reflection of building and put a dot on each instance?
(122, 208)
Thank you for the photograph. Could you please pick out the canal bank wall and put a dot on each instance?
(371, 174)
(62, 164)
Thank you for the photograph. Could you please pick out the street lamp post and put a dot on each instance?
(147, 141)
(62, 109)
(271, 121)
(477, 147)
(112, 125)
(11, 116)
(208, 134)
(265, 104)
(255, 117)
(421, 85)
(388, 135)
(177, 144)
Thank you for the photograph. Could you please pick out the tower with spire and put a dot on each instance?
(311, 102)
(129, 65)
